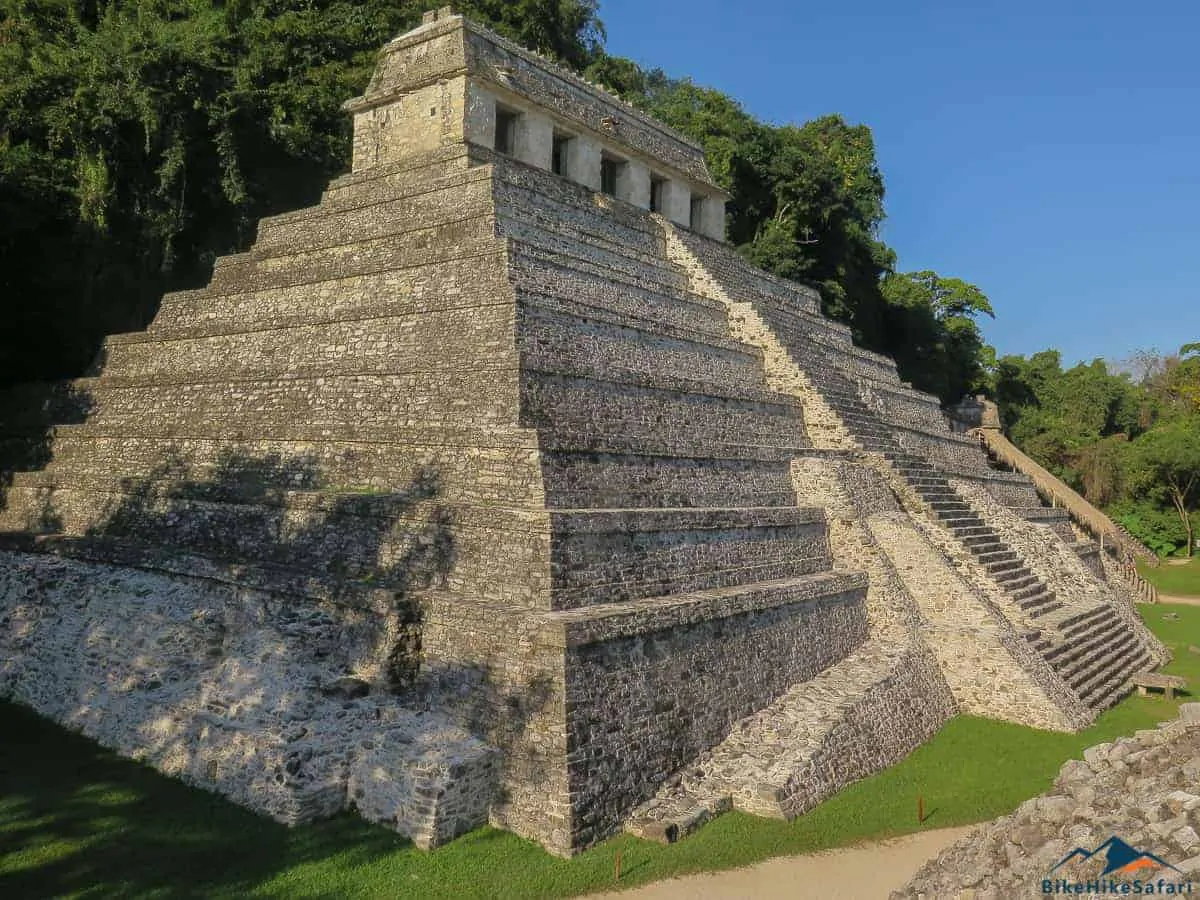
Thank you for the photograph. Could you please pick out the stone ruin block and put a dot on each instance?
(474, 493)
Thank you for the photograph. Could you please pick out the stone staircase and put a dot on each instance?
(852, 719)
(1095, 662)
(947, 506)
(1093, 651)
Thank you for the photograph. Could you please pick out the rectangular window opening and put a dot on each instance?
(697, 213)
(610, 170)
(506, 131)
(558, 159)
(657, 186)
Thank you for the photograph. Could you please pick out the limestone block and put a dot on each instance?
(633, 184)
(677, 202)
(480, 116)
(535, 140)
(583, 162)
(712, 223)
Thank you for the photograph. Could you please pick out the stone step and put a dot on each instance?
(613, 556)
(947, 506)
(1107, 694)
(1089, 659)
(1002, 576)
(640, 317)
(1041, 603)
(1095, 664)
(466, 280)
(779, 762)
(967, 533)
(995, 556)
(1112, 674)
(557, 344)
(1045, 609)
(811, 350)
(653, 270)
(423, 204)
(291, 440)
(557, 404)
(473, 234)
(468, 474)
(986, 537)
(584, 284)
(873, 429)
(979, 551)
(394, 179)
(833, 361)
(598, 556)
(1081, 637)
(374, 346)
(479, 395)
(931, 490)
(1021, 583)
(754, 284)
(324, 533)
(570, 210)
(359, 338)
(930, 481)
(972, 518)
(1081, 621)
(1025, 592)
(858, 416)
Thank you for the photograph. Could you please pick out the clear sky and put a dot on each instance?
(1047, 152)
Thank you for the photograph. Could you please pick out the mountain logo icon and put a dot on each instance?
(1119, 858)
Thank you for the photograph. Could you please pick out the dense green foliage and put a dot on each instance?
(76, 820)
(1131, 444)
(139, 140)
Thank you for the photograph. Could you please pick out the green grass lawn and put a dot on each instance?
(1182, 581)
(76, 820)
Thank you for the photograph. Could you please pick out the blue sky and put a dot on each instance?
(1048, 152)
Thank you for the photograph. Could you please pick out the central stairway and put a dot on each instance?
(1093, 647)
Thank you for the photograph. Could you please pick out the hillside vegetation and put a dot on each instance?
(141, 140)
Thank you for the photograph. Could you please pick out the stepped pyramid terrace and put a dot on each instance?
(497, 487)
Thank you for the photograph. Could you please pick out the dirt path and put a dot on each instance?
(1175, 598)
(862, 872)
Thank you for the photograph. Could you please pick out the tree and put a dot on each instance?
(1165, 462)
(937, 342)
(139, 140)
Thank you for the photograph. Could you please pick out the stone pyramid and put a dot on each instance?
(497, 487)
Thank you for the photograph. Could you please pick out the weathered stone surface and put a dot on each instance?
(472, 494)
(1012, 855)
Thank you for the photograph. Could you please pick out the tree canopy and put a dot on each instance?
(140, 140)
(1128, 441)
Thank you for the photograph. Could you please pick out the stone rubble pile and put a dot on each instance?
(1144, 789)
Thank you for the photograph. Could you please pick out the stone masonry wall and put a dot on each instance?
(279, 702)
(651, 703)
(1135, 796)
(978, 652)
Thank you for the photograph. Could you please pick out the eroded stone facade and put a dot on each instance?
(497, 488)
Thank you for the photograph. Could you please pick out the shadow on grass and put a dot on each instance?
(75, 819)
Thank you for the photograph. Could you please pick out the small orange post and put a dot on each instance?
(920, 810)
(617, 867)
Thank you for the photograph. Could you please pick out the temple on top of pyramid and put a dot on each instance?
(451, 81)
(497, 487)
